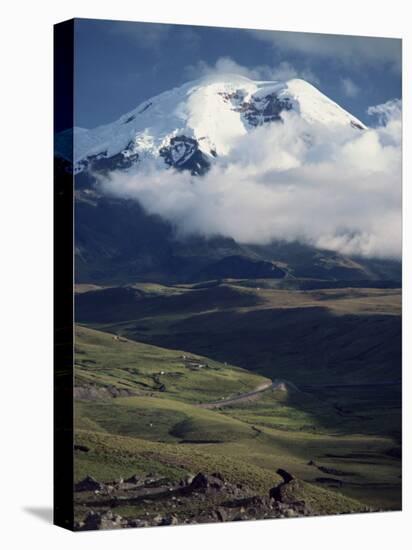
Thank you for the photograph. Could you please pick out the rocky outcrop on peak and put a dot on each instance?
(183, 153)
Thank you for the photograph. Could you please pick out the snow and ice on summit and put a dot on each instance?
(187, 127)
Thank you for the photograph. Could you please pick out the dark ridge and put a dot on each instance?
(240, 267)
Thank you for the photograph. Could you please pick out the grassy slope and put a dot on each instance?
(158, 419)
(103, 360)
(248, 441)
(111, 457)
(308, 337)
(338, 335)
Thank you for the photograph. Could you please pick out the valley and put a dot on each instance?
(307, 380)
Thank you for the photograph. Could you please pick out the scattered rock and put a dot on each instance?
(241, 516)
(214, 500)
(222, 514)
(157, 482)
(169, 520)
(95, 393)
(138, 523)
(286, 492)
(204, 482)
(107, 520)
(89, 484)
(165, 520)
(81, 448)
(133, 479)
(187, 480)
(157, 520)
(200, 481)
(286, 476)
(282, 492)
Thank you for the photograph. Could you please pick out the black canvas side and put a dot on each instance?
(63, 278)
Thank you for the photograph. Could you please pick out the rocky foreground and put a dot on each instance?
(146, 501)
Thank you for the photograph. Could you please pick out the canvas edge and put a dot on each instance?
(63, 241)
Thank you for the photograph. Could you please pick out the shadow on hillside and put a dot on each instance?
(359, 355)
(307, 345)
(120, 304)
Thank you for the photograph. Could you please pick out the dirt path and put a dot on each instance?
(248, 396)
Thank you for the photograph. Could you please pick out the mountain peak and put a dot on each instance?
(188, 126)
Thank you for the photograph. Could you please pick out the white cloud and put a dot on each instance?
(339, 190)
(349, 87)
(226, 65)
(388, 113)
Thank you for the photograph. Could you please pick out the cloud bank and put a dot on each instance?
(226, 65)
(334, 189)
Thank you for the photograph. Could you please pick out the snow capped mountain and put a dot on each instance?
(187, 127)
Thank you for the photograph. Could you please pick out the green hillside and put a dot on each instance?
(137, 411)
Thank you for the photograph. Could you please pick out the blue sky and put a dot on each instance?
(120, 64)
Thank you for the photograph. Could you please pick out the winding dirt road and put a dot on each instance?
(248, 396)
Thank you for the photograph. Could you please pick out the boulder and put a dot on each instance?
(204, 482)
(133, 479)
(187, 480)
(286, 476)
(169, 520)
(107, 520)
(157, 520)
(165, 520)
(81, 448)
(285, 491)
(222, 514)
(138, 523)
(88, 484)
